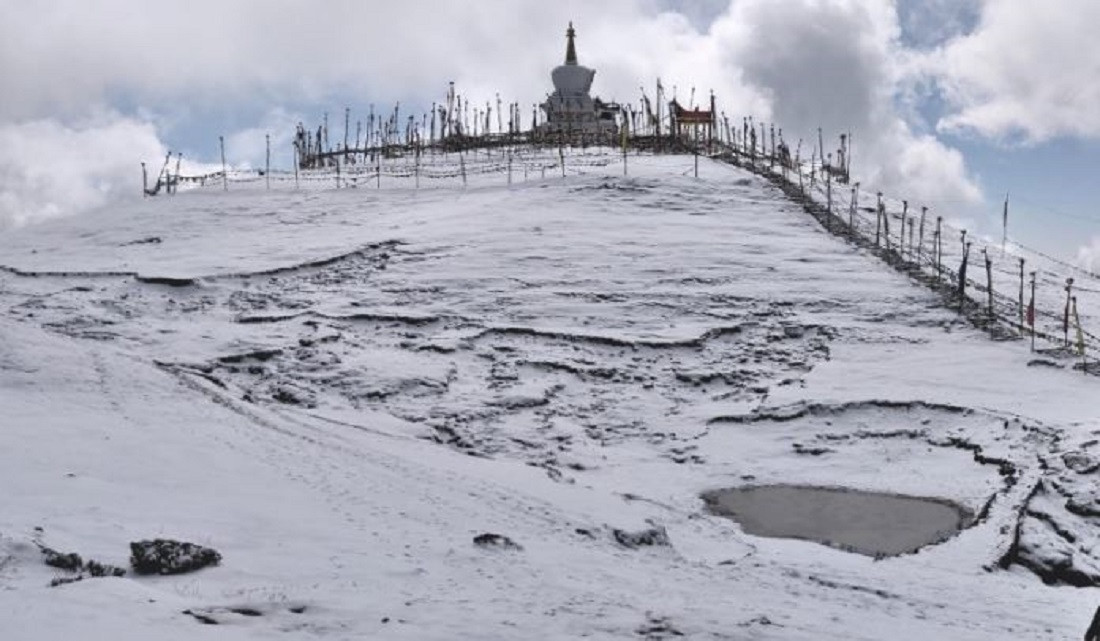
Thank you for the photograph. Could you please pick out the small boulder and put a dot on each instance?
(164, 556)
(642, 538)
(71, 561)
(496, 541)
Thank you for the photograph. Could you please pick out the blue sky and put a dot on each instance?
(953, 101)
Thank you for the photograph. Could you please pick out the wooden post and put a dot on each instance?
(771, 161)
(939, 246)
(561, 155)
(1021, 305)
(225, 176)
(962, 273)
(696, 161)
(820, 146)
(267, 164)
(176, 185)
(1065, 317)
(988, 285)
(910, 222)
(829, 201)
(623, 141)
(462, 163)
(296, 160)
(378, 169)
(144, 181)
(848, 158)
(920, 236)
(901, 232)
(852, 207)
(886, 228)
(1031, 311)
(336, 161)
(1080, 344)
(878, 219)
(763, 145)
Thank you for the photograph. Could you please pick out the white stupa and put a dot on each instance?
(570, 110)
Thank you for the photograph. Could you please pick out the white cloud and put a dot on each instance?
(1027, 73)
(1088, 256)
(48, 168)
(839, 66)
(248, 147)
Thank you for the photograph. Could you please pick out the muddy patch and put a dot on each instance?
(871, 523)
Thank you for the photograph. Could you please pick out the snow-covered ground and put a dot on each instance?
(338, 389)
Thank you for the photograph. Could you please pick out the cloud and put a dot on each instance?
(48, 168)
(840, 66)
(248, 147)
(1025, 74)
(931, 23)
(1088, 256)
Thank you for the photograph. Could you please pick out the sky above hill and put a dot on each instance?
(951, 103)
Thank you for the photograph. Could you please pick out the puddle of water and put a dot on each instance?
(871, 523)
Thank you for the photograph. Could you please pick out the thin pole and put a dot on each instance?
(1031, 312)
(176, 186)
(1065, 317)
(267, 165)
(988, 284)
(878, 219)
(1021, 296)
(901, 232)
(920, 236)
(852, 210)
(911, 222)
(820, 145)
(225, 176)
(144, 181)
(296, 159)
(962, 273)
(939, 247)
(1080, 339)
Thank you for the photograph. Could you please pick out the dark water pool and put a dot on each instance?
(871, 523)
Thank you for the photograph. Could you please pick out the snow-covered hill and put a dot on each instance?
(340, 389)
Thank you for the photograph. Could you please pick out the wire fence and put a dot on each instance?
(1011, 290)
